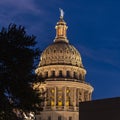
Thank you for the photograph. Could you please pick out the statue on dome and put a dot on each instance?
(61, 13)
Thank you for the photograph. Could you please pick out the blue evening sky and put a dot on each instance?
(93, 28)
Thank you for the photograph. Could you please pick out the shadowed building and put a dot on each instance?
(105, 109)
(62, 69)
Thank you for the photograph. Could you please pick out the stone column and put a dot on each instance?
(75, 99)
(55, 99)
(65, 98)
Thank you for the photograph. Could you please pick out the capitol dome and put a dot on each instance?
(61, 53)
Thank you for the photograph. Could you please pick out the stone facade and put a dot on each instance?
(62, 69)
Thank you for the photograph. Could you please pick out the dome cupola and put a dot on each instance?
(61, 29)
(60, 52)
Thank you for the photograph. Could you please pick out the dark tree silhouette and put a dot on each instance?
(17, 64)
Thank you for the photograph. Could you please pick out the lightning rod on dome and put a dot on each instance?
(61, 13)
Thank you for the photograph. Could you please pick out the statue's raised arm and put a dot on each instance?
(61, 13)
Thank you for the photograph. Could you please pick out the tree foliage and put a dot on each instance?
(17, 64)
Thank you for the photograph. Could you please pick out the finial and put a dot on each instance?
(61, 29)
(61, 13)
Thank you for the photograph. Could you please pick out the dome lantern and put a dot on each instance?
(61, 29)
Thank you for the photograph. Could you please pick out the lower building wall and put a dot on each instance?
(104, 109)
(58, 115)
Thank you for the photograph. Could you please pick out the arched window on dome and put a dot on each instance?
(75, 75)
(60, 73)
(54, 51)
(68, 74)
(46, 74)
(40, 76)
(60, 51)
(52, 73)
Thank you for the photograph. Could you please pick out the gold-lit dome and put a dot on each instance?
(61, 53)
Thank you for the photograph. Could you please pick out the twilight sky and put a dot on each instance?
(93, 28)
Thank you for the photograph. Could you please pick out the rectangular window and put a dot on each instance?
(59, 118)
(70, 118)
(49, 118)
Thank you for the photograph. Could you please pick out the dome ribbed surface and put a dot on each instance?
(61, 53)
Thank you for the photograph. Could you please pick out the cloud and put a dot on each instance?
(20, 5)
(10, 9)
(21, 12)
(26, 11)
